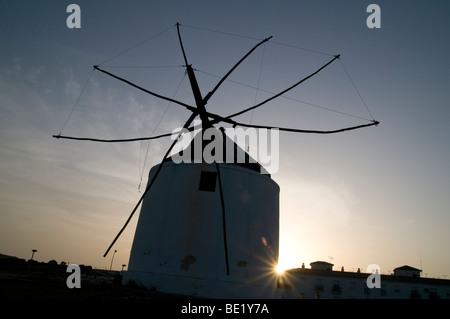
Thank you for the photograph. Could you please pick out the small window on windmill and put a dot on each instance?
(207, 181)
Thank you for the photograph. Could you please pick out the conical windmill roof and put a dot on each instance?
(239, 157)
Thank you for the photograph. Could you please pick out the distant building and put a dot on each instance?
(321, 265)
(407, 271)
(321, 282)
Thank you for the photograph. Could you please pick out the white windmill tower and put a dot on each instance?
(208, 229)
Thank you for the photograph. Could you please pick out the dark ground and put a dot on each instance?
(38, 285)
(25, 280)
(41, 288)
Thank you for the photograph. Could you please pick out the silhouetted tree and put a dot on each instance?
(53, 262)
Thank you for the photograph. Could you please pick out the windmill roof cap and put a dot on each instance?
(240, 157)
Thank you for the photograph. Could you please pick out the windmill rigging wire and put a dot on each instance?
(77, 100)
(137, 44)
(208, 96)
(259, 80)
(286, 90)
(141, 172)
(255, 38)
(295, 47)
(287, 97)
(356, 89)
(191, 108)
(220, 32)
(301, 48)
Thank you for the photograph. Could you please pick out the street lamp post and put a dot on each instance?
(31, 260)
(110, 267)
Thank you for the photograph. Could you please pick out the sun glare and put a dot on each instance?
(279, 269)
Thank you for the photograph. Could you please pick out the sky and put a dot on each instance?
(377, 195)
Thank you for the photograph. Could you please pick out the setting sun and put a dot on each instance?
(280, 269)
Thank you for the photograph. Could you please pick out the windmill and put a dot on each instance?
(209, 229)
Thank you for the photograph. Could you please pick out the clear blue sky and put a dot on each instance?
(374, 196)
